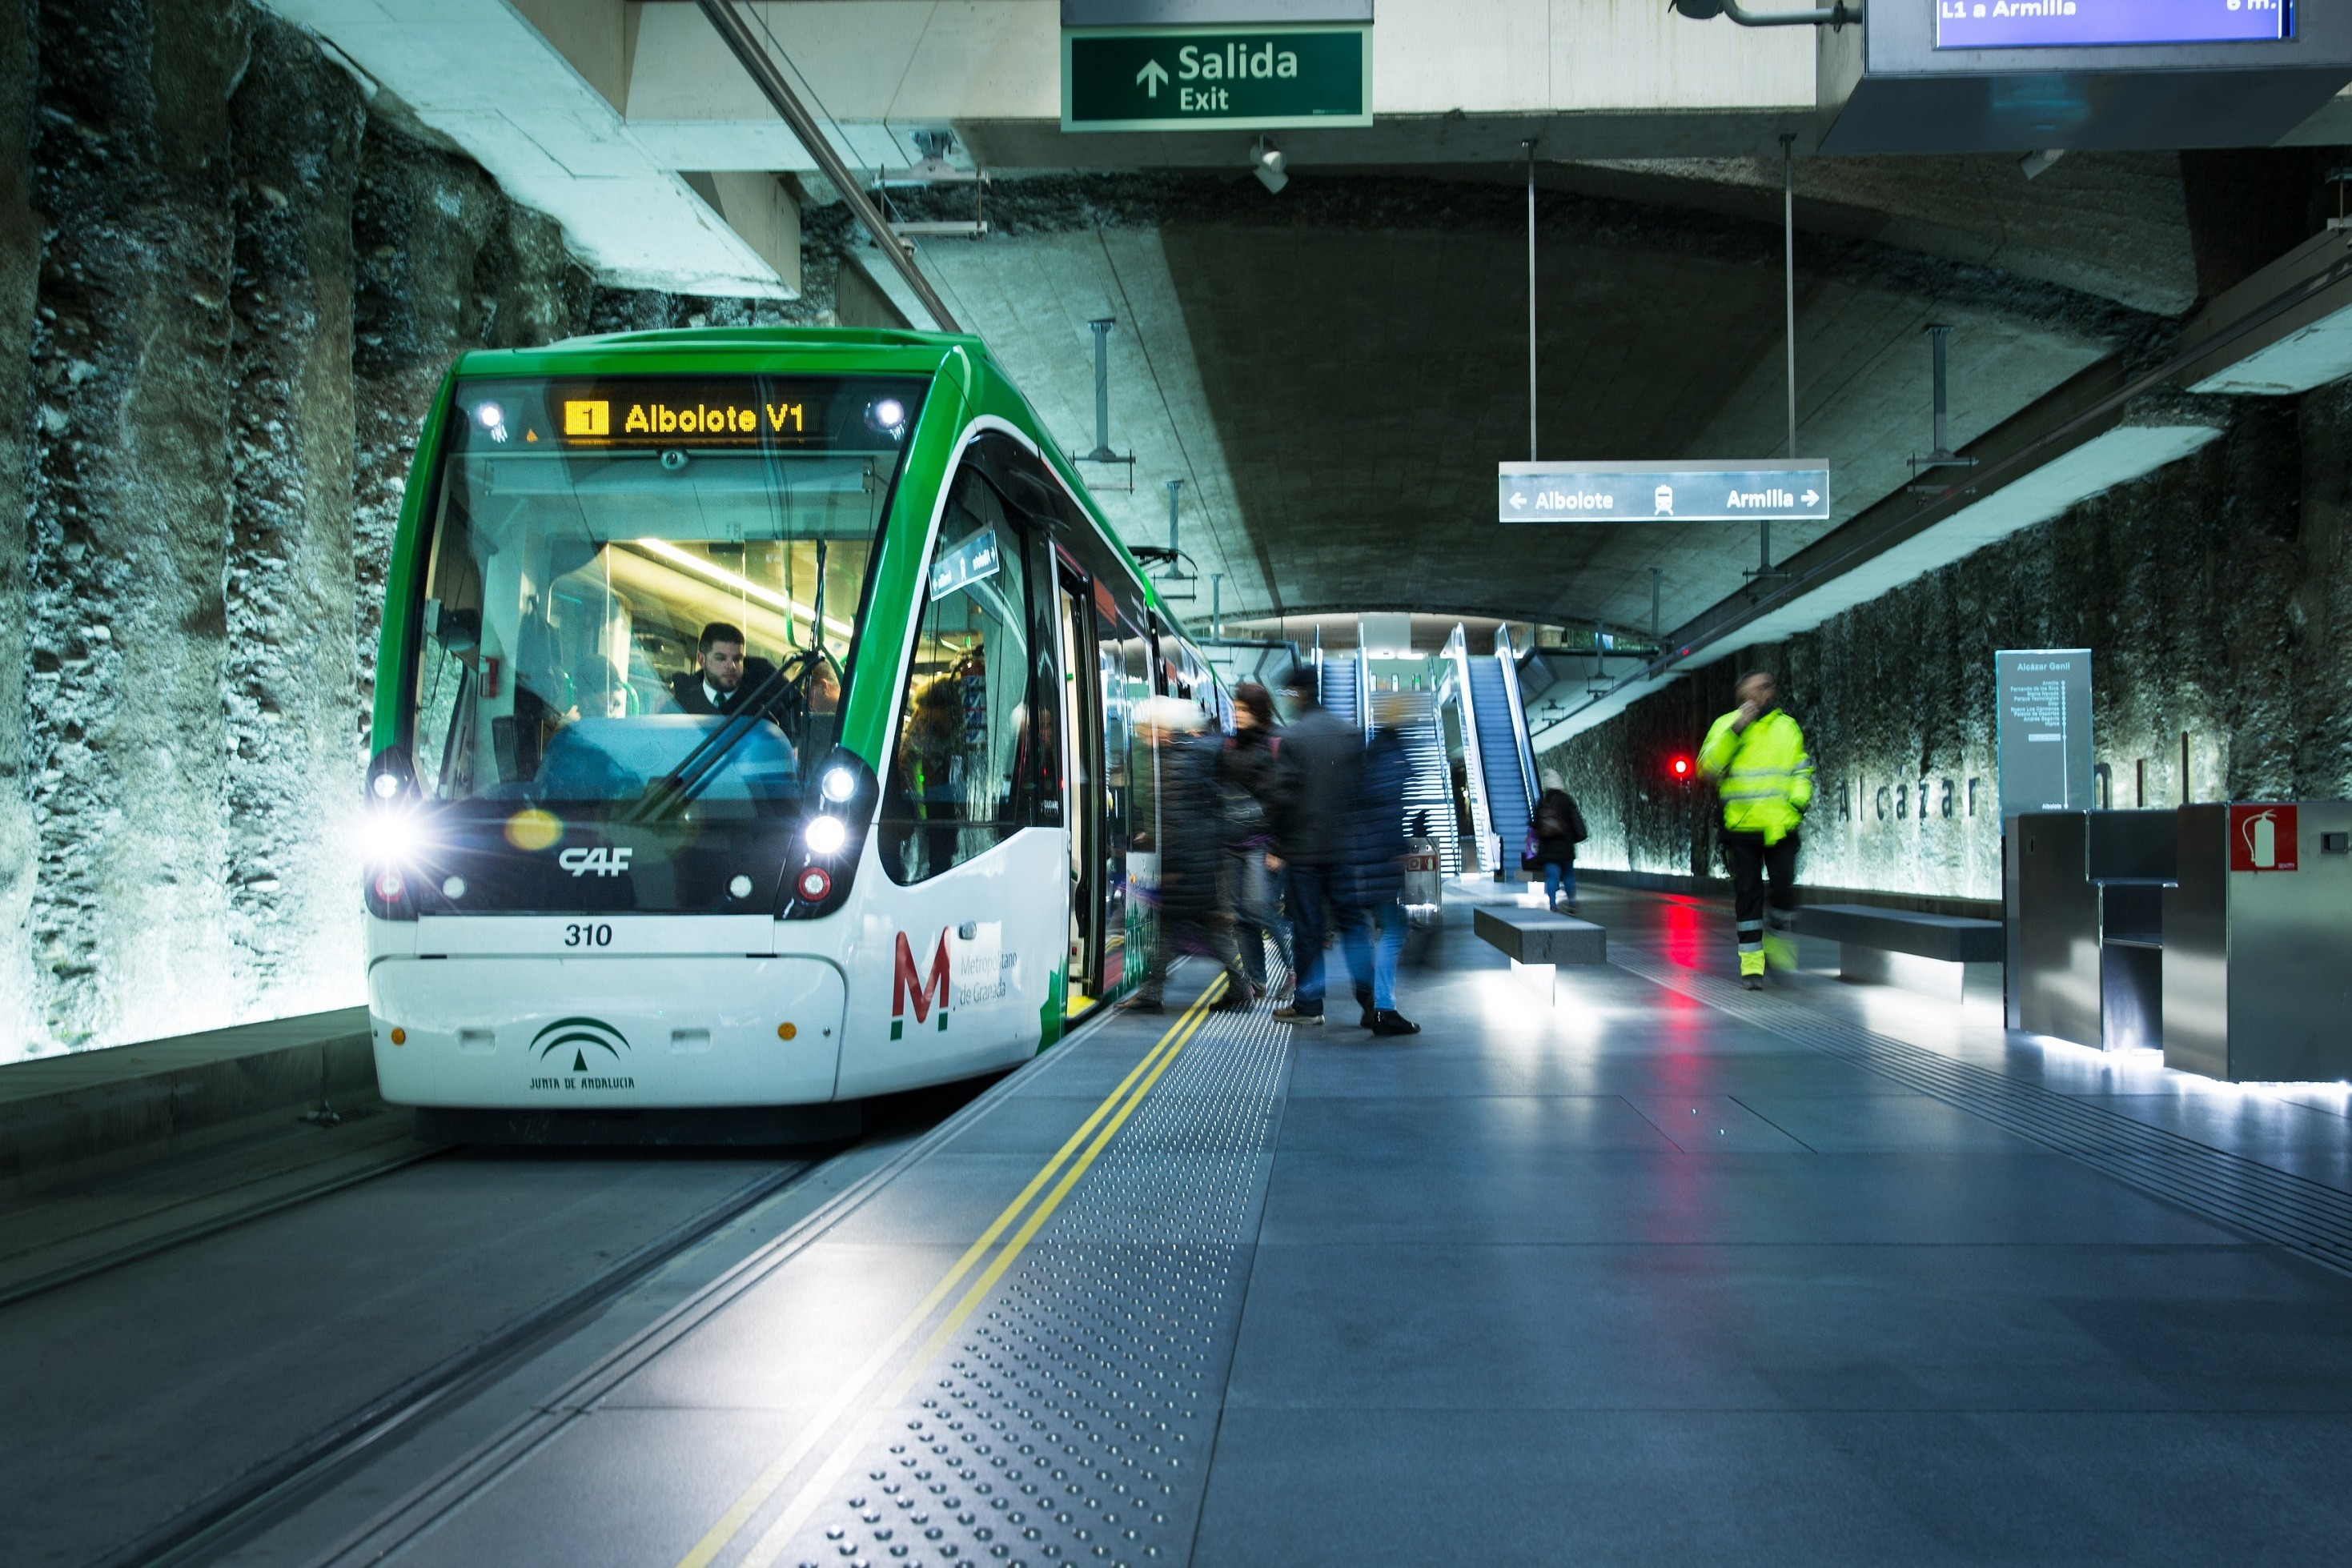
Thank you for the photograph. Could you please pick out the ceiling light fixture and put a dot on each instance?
(1269, 165)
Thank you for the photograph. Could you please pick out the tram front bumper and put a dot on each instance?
(549, 1032)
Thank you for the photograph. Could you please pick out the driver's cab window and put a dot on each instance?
(952, 791)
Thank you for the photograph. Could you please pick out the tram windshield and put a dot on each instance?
(632, 581)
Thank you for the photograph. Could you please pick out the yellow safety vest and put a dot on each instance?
(1766, 778)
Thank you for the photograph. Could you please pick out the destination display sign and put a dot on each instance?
(1185, 79)
(1664, 492)
(2049, 24)
(799, 412)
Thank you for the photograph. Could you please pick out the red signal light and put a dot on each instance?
(1681, 767)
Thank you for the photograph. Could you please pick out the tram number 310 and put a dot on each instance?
(588, 935)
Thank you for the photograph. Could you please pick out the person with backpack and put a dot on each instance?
(1554, 829)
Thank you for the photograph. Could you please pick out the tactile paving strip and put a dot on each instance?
(2305, 1216)
(1071, 1421)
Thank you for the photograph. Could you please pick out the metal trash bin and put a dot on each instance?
(2089, 915)
(2258, 943)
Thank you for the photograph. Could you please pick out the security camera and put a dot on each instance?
(1268, 164)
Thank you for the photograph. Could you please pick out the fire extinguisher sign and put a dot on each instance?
(2261, 838)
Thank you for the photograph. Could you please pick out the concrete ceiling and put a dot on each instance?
(1335, 372)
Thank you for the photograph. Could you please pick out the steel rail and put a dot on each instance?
(40, 1285)
(787, 104)
(259, 1497)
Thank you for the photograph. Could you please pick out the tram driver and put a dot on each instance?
(722, 674)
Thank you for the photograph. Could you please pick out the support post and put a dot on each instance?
(1102, 451)
(1789, 276)
(1533, 455)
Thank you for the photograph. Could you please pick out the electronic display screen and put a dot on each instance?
(2053, 24)
(750, 412)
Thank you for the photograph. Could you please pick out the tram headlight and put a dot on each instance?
(390, 837)
(825, 835)
(826, 844)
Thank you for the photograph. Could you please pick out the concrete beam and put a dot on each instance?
(549, 132)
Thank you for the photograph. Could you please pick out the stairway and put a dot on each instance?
(1507, 806)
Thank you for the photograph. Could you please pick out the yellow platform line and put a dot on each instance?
(765, 1485)
(778, 1535)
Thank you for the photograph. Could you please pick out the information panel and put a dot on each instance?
(2043, 728)
(1664, 492)
(2048, 23)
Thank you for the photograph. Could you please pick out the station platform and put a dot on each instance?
(1661, 1270)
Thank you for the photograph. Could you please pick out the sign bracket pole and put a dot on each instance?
(1533, 455)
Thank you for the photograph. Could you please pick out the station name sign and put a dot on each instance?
(1184, 78)
(2048, 23)
(1663, 492)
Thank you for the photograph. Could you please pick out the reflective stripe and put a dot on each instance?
(1751, 925)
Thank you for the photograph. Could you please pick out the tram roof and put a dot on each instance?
(879, 349)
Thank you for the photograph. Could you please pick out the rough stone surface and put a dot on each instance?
(232, 283)
(2215, 596)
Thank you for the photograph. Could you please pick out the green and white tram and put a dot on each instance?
(899, 852)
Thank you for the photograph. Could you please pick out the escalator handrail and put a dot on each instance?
(1457, 648)
(1518, 713)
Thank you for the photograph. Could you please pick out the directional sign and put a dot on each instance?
(1185, 79)
(1664, 492)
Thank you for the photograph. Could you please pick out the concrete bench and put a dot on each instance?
(1538, 942)
(1924, 953)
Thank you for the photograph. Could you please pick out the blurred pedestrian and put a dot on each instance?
(1193, 916)
(1246, 765)
(1314, 785)
(1367, 888)
(1756, 756)
(1554, 829)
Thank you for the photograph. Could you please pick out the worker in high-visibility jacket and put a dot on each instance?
(1755, 756)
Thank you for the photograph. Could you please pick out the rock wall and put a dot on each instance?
(2215, 596)
(231, 279)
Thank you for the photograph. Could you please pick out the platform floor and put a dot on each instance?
(1664, 1271)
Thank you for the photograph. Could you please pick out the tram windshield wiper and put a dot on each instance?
(678, 788)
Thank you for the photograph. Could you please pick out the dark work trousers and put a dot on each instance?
(1751, 859)
(1306, 891)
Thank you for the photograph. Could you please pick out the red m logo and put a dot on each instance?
(928, 993)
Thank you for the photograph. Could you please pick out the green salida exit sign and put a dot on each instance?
(1185, 79)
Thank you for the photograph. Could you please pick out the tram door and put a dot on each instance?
(1082, 731)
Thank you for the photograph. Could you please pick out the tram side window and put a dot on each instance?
(954, 786)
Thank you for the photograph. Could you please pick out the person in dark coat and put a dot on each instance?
(1554, 829)
(1246, 765)
(1192, 916)
(721, 676)
(1314, 785)
(1368, 890)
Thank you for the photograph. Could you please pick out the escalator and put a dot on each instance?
(1502, 766)
(1339, 689)
(1430, 788)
